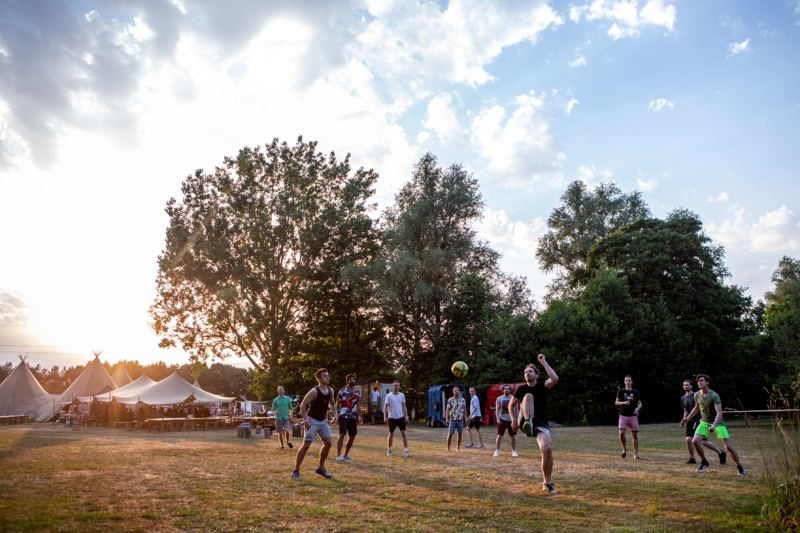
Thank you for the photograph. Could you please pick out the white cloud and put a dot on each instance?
(723, 197)
(423, 136)
(737, 48)
(572, 103)
(13, 310)
(644, 183)
(775, 231)
(512, 239)
(520, 148)
(661, 103)
(442, 119)
(578, 62)
(588, 174)
(626, 16)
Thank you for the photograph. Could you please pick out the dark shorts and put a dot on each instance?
(349, 426)
(538, 427)
(691, 427)
(474, 422)
(397, 423)
(503, 425)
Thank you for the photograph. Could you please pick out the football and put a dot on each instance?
(459, 369)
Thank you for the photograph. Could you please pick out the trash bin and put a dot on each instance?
(297, 430)
(243, 431)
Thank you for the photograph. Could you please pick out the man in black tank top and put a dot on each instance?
(314, 411)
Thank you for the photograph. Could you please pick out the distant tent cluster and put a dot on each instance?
(21, 393)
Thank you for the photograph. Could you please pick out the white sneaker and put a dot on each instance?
(348, 458)
(407, 454)
(496, 453)
(514, 454)
(340, 457)
(389, 453)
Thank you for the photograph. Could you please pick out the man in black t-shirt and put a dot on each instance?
(629, 403)
(532, 415)
(687, 402)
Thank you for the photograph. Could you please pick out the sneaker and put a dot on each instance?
(470, 445)
(296, 475)
(723, 457)
(322, 472)
(514, 453)
(348, 458)
(740, 470)
(496, 453)
(389, 452)
(407, 454)
(340, 457)
(691, 461)
(623, 454)
(703, 466)
(289, 444)
(527, 428)
(281, 447)
(480, 446)
(548, 487)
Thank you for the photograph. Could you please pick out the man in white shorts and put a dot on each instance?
(396, 415)
(314, 410)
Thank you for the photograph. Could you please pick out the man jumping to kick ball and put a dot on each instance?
(534, 422)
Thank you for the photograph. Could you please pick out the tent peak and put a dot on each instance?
(97, 353)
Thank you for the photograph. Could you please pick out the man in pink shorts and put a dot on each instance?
(629, 404)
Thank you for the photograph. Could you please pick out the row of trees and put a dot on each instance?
(275, 257)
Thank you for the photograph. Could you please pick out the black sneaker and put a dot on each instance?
(296, 475)
(740, 470)
(691, 461)
(289, 444)
(322, 472)
(703, 466)
(548, 487)
(723, 457)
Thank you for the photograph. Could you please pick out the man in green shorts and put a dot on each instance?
(282, 407)
(709, 404)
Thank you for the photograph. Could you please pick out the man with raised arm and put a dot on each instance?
(349, 416)
(282, 407)
(532, 399)
(314, 411)
(396, 415)
(709, 405)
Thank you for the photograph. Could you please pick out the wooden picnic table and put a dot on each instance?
(183, 424)
(255, 421)
(13, 419)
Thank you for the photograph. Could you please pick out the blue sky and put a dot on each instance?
(105, 107)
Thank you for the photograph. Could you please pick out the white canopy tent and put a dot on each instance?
(21, 393)
(142, 382)
(168, 391)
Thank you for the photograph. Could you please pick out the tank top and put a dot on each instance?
(318, 409)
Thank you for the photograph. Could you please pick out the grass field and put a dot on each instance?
(100, 479)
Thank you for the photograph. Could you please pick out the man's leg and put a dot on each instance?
(497, 442)
(546, 447)
(391, 437)
(469, 432)
(449, 438)
(458, 440)
(711, 446)
(697, 440)
(339, 443)
(690, 447)
(635, 435)
(622, 441)
(280, 433)
(513, 443)
(732, 451)
(526, 407)
(323, 453)
(301, 453)
(350, 439)
(480, 437)
(405, 440)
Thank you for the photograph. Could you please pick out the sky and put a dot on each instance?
(106, 107)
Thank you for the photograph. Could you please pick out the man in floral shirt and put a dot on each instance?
(349, 416)
(454, 417)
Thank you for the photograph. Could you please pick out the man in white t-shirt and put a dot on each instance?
(474, 419)
(396, 415)
(376, 399)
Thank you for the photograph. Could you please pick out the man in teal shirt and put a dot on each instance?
(282, 407)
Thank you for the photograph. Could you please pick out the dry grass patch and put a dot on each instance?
(99, 479)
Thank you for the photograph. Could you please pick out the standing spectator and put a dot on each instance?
(349, 416)
(396, 415)
(627, 398)
(504, 422)
(474, 419)
(455, 414)
(282, 406)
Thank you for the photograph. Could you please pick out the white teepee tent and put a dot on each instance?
(20, 392)
(94, 380)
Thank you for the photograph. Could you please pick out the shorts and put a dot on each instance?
(691, 427)
(456, 425)
(629, 422)
(503, 425)
(397, 423)
(283, 425)
(474, 422)
(537, 426)
(349, 426)
(720, 431)
(317, 426)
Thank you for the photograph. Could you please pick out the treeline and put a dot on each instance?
(219, 378)
(274, 257)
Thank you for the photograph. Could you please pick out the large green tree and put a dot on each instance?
(782, 321)
(584, 216)
(428, 245)
(254, 259)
